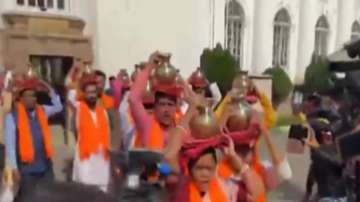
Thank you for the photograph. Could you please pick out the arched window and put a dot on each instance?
(355, 31)
(282, 24)
(234, 19)
(321, 36)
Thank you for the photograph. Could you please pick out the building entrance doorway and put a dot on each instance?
(53, 70)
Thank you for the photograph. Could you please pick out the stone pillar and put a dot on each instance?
(263, 36)
(346, 17)
(308, 18)
(219, 23)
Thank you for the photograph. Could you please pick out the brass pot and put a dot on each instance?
(240, 115)
(198, 78)
(242, 81)
(165, 73)
(205, 124)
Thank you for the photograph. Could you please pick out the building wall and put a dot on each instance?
(125, 32)
(26, 31)
(132, 29)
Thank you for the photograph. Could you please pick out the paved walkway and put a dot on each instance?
(293, 190)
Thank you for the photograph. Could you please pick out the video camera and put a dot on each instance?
(353, 49)
(138, 166)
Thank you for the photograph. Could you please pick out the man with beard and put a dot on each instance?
(91, 163)
(106, 100)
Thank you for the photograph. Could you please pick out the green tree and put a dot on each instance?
(281, 84)
(318, 77)
(219, 66)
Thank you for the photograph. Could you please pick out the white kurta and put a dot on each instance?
(96, 169)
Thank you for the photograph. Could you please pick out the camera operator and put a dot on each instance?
(326, 169)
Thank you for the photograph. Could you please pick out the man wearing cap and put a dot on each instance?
(153, 128)
(91, 163)
(29, 149)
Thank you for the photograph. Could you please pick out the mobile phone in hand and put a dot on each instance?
(295, 144)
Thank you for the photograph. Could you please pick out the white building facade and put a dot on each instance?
(259, 33)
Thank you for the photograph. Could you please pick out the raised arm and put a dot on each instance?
(56, 106)
(216, 94)
(10, 141)
(117, 95)
(279, 160)
(74, 75)
(181, 132)
(270, 117)
(141, 117)
(252, 181)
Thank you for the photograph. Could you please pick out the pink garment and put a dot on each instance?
(116, 89)
(246, 136)
(142, 119)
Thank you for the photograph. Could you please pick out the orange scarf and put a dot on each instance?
(26, 148)
(93, 136)
(107, 101)
(224, 169)
(259, 169)
(216, 192)
(156, 139)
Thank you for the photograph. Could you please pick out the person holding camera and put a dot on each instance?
(326, 170)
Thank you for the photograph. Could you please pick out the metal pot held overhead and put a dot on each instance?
(240, 114)
(205, 124)
(242, 81)
(165, 73)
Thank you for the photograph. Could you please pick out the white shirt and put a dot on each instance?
(96, 169)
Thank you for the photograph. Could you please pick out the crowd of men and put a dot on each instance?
(210, 144)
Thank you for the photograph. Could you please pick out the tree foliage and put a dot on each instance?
(219, 66)
(281, 84)
(318, 77)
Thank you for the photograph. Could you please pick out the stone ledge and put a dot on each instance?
(47, 36)
(21, 20)
(14, 13)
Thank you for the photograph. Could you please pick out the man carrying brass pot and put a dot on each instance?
(153, 128)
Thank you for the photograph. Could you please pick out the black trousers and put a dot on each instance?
(29, 181)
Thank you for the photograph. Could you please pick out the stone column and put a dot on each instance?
(263, 36)
(307, 22)
(346, 17)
